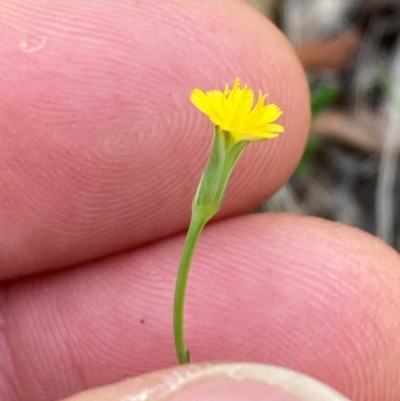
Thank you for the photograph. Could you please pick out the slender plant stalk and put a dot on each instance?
(206, 203)
(385, 207)
(239, 126)
(196, 226)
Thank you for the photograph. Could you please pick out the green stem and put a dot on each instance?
(206, 203)
(197, 224)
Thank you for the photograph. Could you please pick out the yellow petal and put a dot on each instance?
(233, 110)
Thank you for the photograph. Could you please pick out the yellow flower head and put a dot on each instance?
(233, 111)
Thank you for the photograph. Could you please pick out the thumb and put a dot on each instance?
(216, 382)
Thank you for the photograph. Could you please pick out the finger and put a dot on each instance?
(303, 293)
(233, 382)
(101, 148)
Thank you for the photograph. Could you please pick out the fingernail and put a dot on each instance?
(216, 382)
(225, 388)
(244, 381)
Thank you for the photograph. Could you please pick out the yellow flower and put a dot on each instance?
(233, 111)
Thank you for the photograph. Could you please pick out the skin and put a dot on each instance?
(101, 153)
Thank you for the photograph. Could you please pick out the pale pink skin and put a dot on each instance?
(100, 155)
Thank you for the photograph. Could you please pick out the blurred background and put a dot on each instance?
(350, 50)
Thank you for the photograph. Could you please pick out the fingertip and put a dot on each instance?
(311, 295)
(216, 382)
(103, 149)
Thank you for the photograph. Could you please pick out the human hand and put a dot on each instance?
(100, 155)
